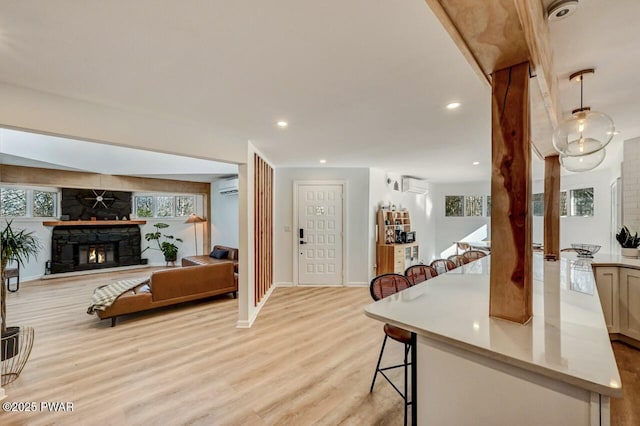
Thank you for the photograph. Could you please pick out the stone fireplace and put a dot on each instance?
(94, 246)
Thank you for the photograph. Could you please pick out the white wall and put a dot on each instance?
(450, 229)
(420, 209)
(35, 268)
(224, 217)
(178, 229)
(356, 203)
(588, 230)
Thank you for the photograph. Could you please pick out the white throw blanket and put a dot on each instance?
(104, 296)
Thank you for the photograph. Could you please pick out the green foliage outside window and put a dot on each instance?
(144, 206)
(538, 204)
(563, 203)
(164, 206)
(473, 205)
(454, 205)
(44, 204)
(582, 202)
(185, 205)
(13, 202)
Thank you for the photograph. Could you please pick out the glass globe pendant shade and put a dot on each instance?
(583, 163)
(583, 134)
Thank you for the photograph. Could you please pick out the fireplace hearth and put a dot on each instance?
(86, 247)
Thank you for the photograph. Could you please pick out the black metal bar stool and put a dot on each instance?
(381, 287)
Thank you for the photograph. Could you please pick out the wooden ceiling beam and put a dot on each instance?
(451, 28)
(497, 34)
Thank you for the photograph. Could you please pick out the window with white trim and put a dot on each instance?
(164, 206)
(463, 205)
(582, 202)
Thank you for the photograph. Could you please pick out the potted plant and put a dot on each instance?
(17, 246)
(628, 242)
(164, 242)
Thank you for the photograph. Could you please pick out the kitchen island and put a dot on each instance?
(558, 368)
(618, 283)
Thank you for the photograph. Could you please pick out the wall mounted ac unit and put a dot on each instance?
(416, 186)
(228, 186)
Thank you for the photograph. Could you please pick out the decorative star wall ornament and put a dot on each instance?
(99, 199)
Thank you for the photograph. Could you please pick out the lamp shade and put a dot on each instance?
(194, 218)
(583, 163)
(584, 133)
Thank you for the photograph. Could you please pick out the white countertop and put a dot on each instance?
(566, 340)
(607, 259)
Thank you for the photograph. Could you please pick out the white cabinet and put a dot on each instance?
(630, 302)
(607, 278)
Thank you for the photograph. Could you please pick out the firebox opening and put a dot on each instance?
(96, 254)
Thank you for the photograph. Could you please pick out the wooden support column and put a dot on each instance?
(511, 246)
(552, 206)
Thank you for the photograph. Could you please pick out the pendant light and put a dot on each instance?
(583, 163)
(586, 131)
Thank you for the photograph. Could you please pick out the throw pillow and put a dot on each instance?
(219, 254)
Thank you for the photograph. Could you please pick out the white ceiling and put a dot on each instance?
(36, 150)
(362, 83)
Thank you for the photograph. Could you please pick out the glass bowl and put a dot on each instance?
(585, 250)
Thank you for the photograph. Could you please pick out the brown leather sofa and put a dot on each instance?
(208, 260)
(176, 285)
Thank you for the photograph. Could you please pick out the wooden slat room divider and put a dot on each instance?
(263, 227)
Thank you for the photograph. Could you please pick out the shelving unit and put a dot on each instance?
(393, 257)
(390, 221)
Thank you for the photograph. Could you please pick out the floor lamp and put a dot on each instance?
(195, 219)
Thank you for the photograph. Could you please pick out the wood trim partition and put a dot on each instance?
(263, 227)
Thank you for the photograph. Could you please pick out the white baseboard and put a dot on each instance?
(248, 323)
(351, 284)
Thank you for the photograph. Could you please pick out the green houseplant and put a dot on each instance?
(628, 242)
(17, 246)
(165, 242)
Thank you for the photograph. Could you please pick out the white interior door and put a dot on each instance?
(319, 234)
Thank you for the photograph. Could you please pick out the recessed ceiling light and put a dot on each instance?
(323, 161)
(453, 105)
(475, 163)
(615, 132)
(282, 124)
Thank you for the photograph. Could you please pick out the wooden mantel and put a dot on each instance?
(92, 222)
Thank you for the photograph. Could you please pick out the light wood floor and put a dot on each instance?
(308, 359)
(626, 410)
